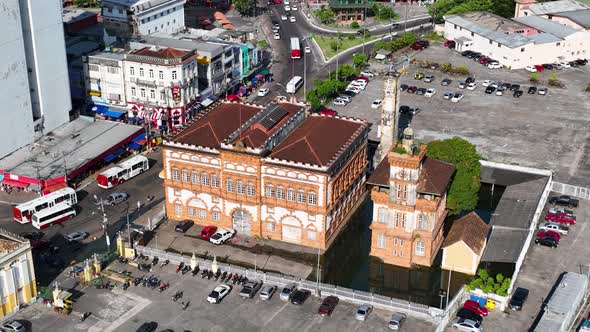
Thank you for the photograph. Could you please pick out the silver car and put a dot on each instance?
(363, 311)
(396, 321)
(287, 292)
(267, 292)
(115, 198)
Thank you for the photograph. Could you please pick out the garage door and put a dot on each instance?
(242, 222)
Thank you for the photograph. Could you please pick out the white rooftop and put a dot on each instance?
(78, 142)
(559, 6)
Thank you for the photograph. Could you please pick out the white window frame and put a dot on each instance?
(381, 241)
(291, 195)
(178, 209)
(175, 174)
(420, 248)
(214, 181)
(312, 198)
(185, 175)
(301, 196)
(191, 211)
(250, 190)
(270, 191)
(202, 214)
(205, 179)
(215, 215)
(230, 185)
(240, 187)
(280, 192)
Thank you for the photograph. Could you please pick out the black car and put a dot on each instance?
(148, 327)
(468, 314)
(548, 241)
(299, 296)
(403, 87)
(405, 109)
(473, 55)
(446, 81)
(469, 80)
(548, 66)
(490, 90)
(564, 200)
(423, 43)
(506, 86)
(479, 57)
(517, 94)
(518, 298)
(532, 90)
(420, 91)
(362, 32)
(466, 53)
(514, 87)
(32, 235)
(582, 62)
(349, 93)
(183, 226)
(573, 64)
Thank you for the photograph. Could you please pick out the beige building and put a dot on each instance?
(465, 244)
(17, 273)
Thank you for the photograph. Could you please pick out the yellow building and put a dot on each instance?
(465, 244)
(17, 273)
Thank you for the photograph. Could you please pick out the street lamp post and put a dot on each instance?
(128, 226)
(105, 223)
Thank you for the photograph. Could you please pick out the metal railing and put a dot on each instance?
(568, 189)
(319, 289)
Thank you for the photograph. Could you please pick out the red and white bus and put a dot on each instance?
(23, 213)
(123, 172)
(295, 48)
(53, 215)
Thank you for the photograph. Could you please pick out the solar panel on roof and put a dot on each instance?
(273, 117)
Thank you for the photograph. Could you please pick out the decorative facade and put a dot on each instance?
(267, 171)
(409, 205)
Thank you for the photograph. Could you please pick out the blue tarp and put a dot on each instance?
(138, 138)
(134, 146)
(112, 114)
(114, 154)
(98, 108)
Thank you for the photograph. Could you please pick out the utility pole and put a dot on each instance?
(105, 223)
(406, 19)
(128, 226)
(317, 271)
(449, 286)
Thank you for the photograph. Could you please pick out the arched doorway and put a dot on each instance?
(291, 230)
(242, 222)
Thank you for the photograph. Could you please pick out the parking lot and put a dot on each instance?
(540, 270)
(120, 310)
(542, 131)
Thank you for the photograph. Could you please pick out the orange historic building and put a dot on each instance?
(409, 205)
(273, 171)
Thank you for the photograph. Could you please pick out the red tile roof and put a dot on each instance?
(216, 125)
(165, 53)
(435, 176)
(470, 229)
(318, 140)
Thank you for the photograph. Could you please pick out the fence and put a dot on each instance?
(568, 189)
(345, 294)
(451, 308)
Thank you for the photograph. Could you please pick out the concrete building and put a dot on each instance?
(409, 193)
(465, 244)
(522, 41)
(348, 11)
(127, 18)
(34, 80)
(267, 171)
(106, 77)
(17, 273)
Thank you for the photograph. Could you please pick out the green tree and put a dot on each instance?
(359, 60)
(504, 8)
(329, 88)
(333, 44)
(382, 12)
(244, 7)
(325, 15)
(346, 73)
(312, 97)
(355, 25)
(463, 193)
(534, 77)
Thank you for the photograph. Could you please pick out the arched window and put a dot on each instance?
(301, 196)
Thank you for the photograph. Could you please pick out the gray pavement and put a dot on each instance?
(119, 310)
(540, 270)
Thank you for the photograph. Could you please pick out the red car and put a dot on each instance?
(562, 219)
(364, 78)
(417, 47)
(555, 235)
(483, 61)
(449, 43)
(475, 307)
(327, 111)
(328, 305)
(208, 231)
(411, 89)
(539, 67)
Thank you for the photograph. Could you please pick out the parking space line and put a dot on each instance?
(141, 304)
(275, 314)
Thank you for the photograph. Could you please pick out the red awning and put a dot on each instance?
(141, 141)
(232, 97)
(14, 183)
(53, 188)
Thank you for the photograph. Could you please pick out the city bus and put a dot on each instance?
(22, 213)
(294, 84)
(53, 215)
(123, 172)
(295, 48)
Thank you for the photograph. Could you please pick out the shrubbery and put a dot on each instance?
(498, 285)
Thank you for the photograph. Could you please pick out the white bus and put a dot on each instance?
(294, 84)
(53, 215)
(123, 172)
(22, 213)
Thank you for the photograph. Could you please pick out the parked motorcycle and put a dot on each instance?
(235, 278)
(179, 267)
(84, 316)
(217, 275)
(204, 273)
(126, 285)
(209, 275)
(164, 287)
(185, 269)
(185, 305)
(177, 296)
(223, 276)
(195, 271)
(165, 263)
(122, 260)
(137, 281)
(155, 261)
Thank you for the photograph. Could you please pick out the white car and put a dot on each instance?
(494, 65)
(367, 74)
(293, 7)
(360, 82)
(430, 92)
(565, 65)
(532, 69)
(76, 236)
(263, 92)
(495, 84)
(542, 91)
(266, 292)
(457, 97)
(339, 102)
(486, 83)
(286, 2)
(221, 236)
(472, 86)
(500, 91)
(287, 292)
(363, 311)
(283, 17)
(464, 324)
(448, 95)
(552, 226)
(218, 294)
(355, 87)
(287, 8)
(292, 19)
(307, 49)
(376, 103)
(277, 36)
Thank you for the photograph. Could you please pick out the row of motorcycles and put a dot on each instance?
(150, 282)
